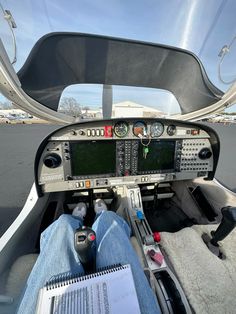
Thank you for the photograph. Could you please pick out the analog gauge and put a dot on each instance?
(171, 130)
(140, 128)
(157, 128)
(121, 129)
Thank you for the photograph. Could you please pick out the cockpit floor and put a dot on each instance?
(166, 216)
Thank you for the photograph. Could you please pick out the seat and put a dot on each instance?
(22, 267)
(19, 273)
(16, 280)
(209, 282)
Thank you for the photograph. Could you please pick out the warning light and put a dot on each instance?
(195, 132)
(127, 172)
(87, 184)
(108, 131)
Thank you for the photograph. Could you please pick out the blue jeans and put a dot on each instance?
(58, 256)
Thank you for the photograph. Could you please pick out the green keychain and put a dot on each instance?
(145, 151)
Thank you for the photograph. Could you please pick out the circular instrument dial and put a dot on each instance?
(171, 130)
(121, 128)
(157, 128)
(140, 128)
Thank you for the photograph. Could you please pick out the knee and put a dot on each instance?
(63, 220)
(108, 217)
(66, 222)
(105, 220)
(60, 229)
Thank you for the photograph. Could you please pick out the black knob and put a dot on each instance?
(81, 132)
(171, 130)
(205, 153)
(52, 161)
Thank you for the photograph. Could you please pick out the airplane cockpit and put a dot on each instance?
(156, 173)
(132, 164)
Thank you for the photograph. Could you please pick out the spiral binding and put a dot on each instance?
(67, 278)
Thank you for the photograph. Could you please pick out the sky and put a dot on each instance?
(201, 26)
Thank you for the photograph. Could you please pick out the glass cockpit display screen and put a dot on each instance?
(160, 157)
(93, 158)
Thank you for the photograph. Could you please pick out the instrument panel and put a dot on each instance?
(109, 153)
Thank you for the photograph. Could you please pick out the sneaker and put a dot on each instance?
(80, 210)
(99, 206)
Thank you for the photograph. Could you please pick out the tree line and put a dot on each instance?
(67, 105)
(70, 106)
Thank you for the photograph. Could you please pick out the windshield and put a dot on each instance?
(126, 101)
(201, 27)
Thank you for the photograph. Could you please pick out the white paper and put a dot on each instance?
(109, 293)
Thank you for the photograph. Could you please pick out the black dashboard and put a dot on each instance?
(107, 153)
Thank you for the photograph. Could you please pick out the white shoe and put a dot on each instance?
(99, 206)
(80, 210)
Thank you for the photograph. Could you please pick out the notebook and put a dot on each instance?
(110, 291)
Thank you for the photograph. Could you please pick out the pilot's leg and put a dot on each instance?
(56, 256)
(113, 247)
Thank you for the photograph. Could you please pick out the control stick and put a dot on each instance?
(226, 226)
(85, 246)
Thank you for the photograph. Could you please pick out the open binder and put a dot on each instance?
(110, 291)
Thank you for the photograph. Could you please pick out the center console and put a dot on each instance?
(165, 284)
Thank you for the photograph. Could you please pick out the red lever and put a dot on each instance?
(157, 236)
(156, 256)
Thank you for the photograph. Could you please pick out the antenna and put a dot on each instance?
(223, 52)
(12, 24)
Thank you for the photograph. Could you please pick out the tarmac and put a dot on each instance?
(19, 143)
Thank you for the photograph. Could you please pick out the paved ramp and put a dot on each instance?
(226, 170)
(18, 145)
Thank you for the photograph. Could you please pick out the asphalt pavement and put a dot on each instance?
(18, 145)
(226, 168)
